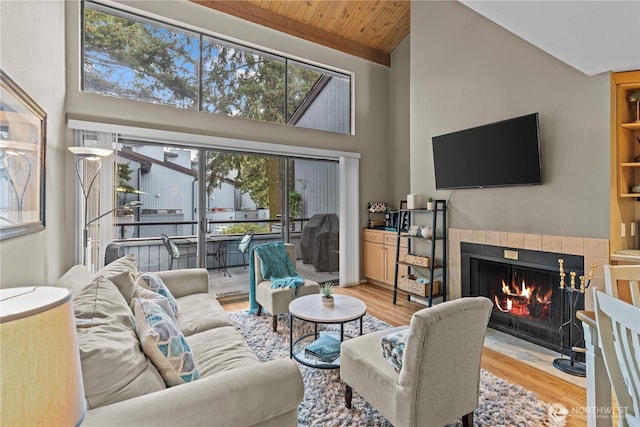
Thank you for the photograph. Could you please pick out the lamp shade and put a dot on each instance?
(41, 380)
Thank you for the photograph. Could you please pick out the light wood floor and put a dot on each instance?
(548, 387)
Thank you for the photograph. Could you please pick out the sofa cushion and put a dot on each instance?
(147, 294)
(125, 283)
(153, 282)
(200, 312)
(164, 344)
(126, 263)
(75, 279)
(121, 272)
(109, 341)
(221, 349)
(102, 302)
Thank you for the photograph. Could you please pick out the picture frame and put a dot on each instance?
(23, 130)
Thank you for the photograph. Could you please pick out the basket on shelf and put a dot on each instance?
(421, 261)
(410, 284)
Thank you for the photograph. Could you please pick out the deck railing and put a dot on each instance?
(151, 254)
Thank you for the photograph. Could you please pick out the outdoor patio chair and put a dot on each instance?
(244, 246)
(174, 250)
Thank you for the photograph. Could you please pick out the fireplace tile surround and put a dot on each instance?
(594, 251)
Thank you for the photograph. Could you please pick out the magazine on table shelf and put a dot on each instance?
(326, 348)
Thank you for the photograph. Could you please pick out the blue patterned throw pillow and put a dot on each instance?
(164, 344)
(154, 283)
(148, 294)
(393, 347)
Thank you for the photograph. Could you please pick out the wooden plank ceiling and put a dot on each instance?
(365, 28)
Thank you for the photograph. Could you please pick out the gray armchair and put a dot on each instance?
(276, 301)
(440, 376)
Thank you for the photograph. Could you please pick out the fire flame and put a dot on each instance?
(524, 300)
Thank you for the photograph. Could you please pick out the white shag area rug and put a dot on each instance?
(501, 403)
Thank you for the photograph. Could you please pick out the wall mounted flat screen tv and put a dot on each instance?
(498, 154)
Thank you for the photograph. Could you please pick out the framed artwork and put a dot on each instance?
(23, 130)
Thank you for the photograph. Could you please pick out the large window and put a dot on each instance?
(139, 59)
(241, 82)
(132, 57)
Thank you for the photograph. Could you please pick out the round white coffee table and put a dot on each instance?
(310, 308)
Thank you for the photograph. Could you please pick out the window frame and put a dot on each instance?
(142, 19)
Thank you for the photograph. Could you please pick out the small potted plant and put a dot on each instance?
(327, 293)
(430, 204)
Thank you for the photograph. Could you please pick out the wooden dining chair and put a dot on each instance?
(621, 281)
(618, 325)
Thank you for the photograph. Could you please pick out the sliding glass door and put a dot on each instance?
(162, 233)
(157, 191)
(272, 198)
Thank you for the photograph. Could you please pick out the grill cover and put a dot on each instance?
(320, 242)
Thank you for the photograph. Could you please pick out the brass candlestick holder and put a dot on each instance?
(573, 292)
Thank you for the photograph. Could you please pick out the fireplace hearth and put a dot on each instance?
(523, 285)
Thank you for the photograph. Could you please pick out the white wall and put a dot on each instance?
(467, 71)
(32, 53)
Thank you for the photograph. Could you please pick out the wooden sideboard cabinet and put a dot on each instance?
(379, 256)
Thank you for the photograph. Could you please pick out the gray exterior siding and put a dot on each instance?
(330, 110)
(317, 181)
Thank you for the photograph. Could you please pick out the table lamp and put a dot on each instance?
(41, 380)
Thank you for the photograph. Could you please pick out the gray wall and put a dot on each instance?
(467, 71)
(32, 53)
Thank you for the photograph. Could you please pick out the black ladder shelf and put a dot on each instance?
(438, 238)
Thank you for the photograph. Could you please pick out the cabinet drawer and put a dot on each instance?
(390, 239)
(372, 236)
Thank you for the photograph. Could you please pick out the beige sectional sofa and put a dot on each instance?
(123, 387)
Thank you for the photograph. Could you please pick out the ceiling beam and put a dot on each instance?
(266, 18)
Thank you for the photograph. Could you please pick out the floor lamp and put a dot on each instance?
(88, 154)
(91, 154)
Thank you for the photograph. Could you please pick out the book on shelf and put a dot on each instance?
(326, 348)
